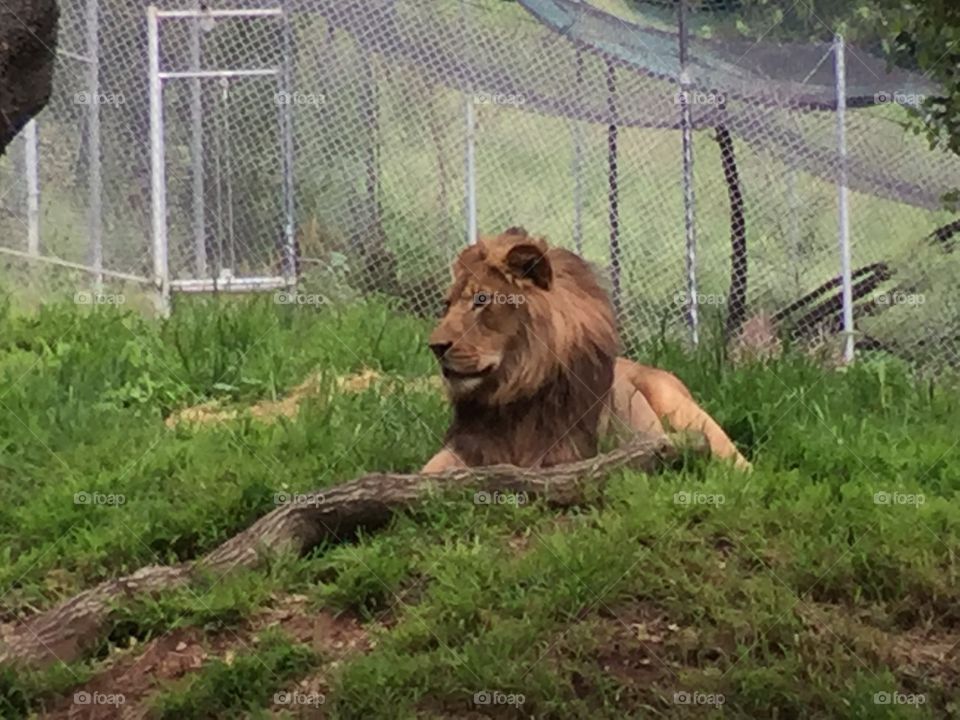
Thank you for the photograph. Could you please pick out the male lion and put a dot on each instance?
(528, 350)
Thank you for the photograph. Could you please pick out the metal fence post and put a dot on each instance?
(31, 161)
(197, 152)
(94, 176)
(578, 168)
(793, 224)
(470, 162)
(613, 187)
(843, 200)
(158, 190)
(289, 254)
(469, 144)
(689, 204)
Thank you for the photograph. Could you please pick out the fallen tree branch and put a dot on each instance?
(64, 633)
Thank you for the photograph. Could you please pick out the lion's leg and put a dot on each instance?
(670, 401)
(630, 410)
(442, 461)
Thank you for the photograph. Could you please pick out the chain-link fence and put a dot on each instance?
(369, 138)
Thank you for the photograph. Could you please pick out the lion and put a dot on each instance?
(528, 350)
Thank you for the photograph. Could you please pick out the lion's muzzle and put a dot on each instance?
(463, 366)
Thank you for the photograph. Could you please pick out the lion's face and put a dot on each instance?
(487, 323)
(527, 346)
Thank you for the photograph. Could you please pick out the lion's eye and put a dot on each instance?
(481, 299)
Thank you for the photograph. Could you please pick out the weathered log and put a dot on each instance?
(65, 632)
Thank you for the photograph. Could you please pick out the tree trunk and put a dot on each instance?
(28, 37)
(65, 632)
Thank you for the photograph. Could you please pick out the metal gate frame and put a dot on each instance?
(158, 189)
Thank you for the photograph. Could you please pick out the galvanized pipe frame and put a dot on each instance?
(157, 77)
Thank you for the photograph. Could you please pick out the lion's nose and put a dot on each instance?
(440, 348)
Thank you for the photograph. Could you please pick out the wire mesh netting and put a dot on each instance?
(563, 118)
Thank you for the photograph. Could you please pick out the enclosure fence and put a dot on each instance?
(757, 191)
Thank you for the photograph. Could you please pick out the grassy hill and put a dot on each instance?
(824, 585)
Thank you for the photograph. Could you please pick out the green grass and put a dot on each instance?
(81, 411)
(787, 590)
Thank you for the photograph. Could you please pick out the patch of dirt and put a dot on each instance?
(206, 413)
(137, 673)
(639, 646)
(920, 652)
(644, 653)
(334, 637)
(636, 643)
(331, 635)
(269, 411)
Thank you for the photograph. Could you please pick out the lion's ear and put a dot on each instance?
(530, 262)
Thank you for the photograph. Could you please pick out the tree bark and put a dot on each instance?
(64, 633)
(28, 37)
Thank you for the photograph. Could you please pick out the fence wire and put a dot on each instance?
(575, 121)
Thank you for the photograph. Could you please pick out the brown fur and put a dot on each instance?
(546, 341)
(532, 373)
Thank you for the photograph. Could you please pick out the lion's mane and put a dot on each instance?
(556, 374)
